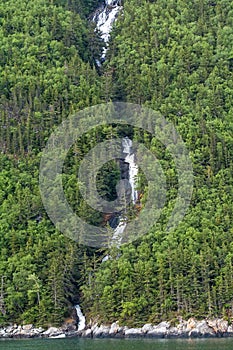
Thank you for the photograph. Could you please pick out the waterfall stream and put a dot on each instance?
(133, 168)
(131, 176)
(104, 18)
(81, 318)
(132, 172)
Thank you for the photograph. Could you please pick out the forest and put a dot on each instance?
(173, 56)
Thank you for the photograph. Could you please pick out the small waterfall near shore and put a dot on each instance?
(81, 318)
(104, 18)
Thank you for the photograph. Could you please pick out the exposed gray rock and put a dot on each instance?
(26, 331)
(121, 332)
(27, 327)
(87, 333)
(191, 324)
(219, 325)
(10, 329)
(202, 330)
(36, 331)
(94, 326)
(133, 332)
(147, 328)
(52, 332)
(159, 331)
(222, 326)
(174, 332)
(58, 336)
(3, 333)
(191, 328)
(101, 332)
(182, 327)
(17, 331)
(229, 332)
(114, 328)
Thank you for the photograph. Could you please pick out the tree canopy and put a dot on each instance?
(173, 56)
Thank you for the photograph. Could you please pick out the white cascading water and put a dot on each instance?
(118, 232)
(133, 172)
(81, 318)
(133, 168)
(105, 17)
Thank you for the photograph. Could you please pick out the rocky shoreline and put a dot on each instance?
(184, 329)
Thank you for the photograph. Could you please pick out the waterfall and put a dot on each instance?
(81, 318)
(104, 18)
(132, 172)
(133, 168)
(117, 235)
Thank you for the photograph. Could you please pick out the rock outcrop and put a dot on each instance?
(191, 328)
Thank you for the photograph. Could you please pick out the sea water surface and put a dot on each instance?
(117, 344)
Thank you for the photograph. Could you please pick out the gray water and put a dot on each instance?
(117, 344)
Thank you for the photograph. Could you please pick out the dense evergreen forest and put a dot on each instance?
(174, 56)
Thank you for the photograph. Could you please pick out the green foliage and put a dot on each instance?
(173, 56)
(47, 71)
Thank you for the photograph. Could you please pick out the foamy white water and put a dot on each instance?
(105, 17)
(81, 317)
(133, 172)
(133, 168)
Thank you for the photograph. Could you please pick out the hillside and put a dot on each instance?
(175, 57)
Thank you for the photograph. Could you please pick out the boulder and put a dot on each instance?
(222, 326)
(58, 336)
(182, 327)
(159, 331)
(87, 333)
(52, 331)
(28, 331)
(101, 332)
(36, 332)
(114, 328)
(121, 332)
(17, 331)
(229, 332)
(219, 325)
(3, 333)
(94, 326)
(202, 330)
(40, 329)
(133, 333)
(147, 328)
(10, 329)
(213, 324)
(174, 332)
(27, 327)
(191, 324)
